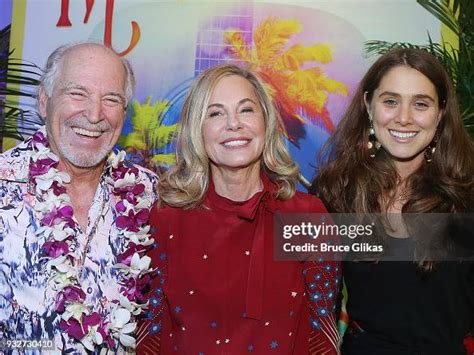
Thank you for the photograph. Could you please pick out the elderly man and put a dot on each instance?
(73, 215)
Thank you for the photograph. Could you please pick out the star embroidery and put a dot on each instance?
(293, 294)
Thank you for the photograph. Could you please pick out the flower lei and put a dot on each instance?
(58, 226)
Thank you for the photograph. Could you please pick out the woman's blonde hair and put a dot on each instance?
(186, 184)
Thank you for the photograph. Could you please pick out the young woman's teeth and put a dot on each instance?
(399, 134)
(235, 143)
(85, 132)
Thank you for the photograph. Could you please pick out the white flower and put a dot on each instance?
(74, 310)
(52, 201)
(121, 327)
(62, 280)
(142, 203)
(129, 179)
(139, 265)
(43, 152)
(133, 307)
(93, 337)
(142, 237)
(115, 159)
(44, 182)
(59, 232)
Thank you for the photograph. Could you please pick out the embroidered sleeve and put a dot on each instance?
(150, 327)
(323, 280)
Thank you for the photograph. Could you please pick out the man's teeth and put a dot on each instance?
(235, 143)
(85, 132)
(398, 134)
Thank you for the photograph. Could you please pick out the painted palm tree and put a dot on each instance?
(149, 136)
(300, 90)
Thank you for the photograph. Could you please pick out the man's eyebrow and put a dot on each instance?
(72, 86)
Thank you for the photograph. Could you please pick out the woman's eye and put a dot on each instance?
(390, 102)
(421, 105)
(246, 109)
(214, 114)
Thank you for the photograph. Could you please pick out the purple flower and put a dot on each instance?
(41, 167)
(105, 335)
(132, 221)
(120, 206)
(119, 172)
(55, 249)
(126, 257)
(74, 328)
(56, 216)
(68, 294)
(133, 287)
(130, 191)
(58, 189)
(40, 138)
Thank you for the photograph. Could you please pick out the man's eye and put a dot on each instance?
(112, 101)
(77, 94)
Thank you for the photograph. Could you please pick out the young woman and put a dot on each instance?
(401, 149)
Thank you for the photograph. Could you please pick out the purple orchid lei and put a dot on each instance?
(59, 227)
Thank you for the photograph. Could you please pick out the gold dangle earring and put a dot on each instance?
(373, 144)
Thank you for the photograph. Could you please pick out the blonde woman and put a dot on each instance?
(218, 288)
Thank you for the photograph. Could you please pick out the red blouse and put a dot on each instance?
(218, 289)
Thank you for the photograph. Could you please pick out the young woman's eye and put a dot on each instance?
(421, 105)
(390, 102)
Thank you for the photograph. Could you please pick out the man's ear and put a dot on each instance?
(42, 101)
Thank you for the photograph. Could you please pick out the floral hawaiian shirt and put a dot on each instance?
(26, 297)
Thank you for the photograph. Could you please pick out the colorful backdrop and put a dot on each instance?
(310, 54)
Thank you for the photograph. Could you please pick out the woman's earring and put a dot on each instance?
(373, 144)
(430, 150)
